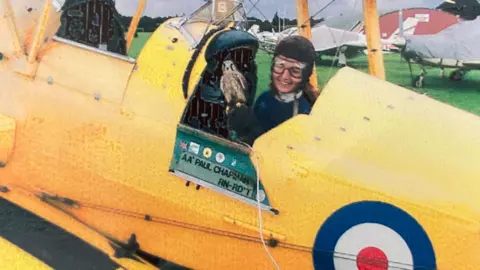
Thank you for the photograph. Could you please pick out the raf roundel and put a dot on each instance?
(371, 235)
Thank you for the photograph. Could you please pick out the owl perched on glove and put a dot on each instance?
(233, 85)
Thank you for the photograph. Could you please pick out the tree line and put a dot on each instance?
(149, 24)
(146, 24)
(277, 23)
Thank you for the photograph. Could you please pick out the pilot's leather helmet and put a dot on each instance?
(298, 48)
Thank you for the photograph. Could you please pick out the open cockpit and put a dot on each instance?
(208, 152)
(206, 109)
(95, 23)
(176, 82)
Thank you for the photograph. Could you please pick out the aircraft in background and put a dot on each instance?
(327, 40)
(345, 44)
(465, 9)
(137, 160)
(455, 47)
(267, 40)
(344, 37)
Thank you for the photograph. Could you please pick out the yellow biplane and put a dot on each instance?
(132, 159)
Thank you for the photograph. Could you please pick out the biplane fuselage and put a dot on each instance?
(95, 139)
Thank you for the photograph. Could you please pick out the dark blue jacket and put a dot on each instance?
(271, 112)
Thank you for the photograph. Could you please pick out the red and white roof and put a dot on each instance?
(416, 21)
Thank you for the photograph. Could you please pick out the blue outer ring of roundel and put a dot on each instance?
(372, 212)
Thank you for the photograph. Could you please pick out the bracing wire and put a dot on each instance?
(260, 219)
(50, 200)
(341, 40)
(318, 12)
(253, 6)
(259, 11)
(310, 19)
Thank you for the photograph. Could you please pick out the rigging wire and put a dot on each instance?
(254, 5)
(309, 20)
(260, 219)
(50, 200)
(339, 47)
(261, 13)
(318, 12)
(333, 37)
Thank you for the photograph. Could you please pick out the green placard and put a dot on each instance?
(216, 174)
(217, 163)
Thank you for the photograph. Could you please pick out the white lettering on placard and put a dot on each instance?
(422, 17)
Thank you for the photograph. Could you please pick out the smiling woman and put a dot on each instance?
(289, 92)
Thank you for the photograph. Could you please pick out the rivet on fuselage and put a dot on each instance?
(272, 242)
(4, 189)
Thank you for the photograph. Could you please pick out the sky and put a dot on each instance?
(268, 8)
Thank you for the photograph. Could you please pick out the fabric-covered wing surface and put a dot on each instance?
(326, 38)
(460, 41)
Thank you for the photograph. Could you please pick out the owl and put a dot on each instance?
(233, 85)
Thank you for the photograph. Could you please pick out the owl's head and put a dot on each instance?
(228, 65)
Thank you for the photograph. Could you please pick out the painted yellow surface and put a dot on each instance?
(7, 138)
(29, 199)
(377, 141)
(88, 72)
(111, 154)
(305, 29)
(372, 32)
(19, 21)
(14, 258)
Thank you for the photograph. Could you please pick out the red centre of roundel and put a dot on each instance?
(372, 258)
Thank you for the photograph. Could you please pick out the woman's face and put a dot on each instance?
(287, 74)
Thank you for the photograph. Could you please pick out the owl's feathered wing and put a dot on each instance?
(225, 87)
(233, 85)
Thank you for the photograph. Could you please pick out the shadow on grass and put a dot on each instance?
(433, 82)
(330, 62)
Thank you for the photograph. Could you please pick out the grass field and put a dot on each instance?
(464, 94)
